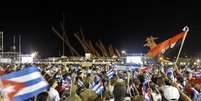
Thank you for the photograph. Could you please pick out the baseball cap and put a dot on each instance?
(170, 93)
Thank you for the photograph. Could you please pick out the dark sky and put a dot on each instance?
(123, 24)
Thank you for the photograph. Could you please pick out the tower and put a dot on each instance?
(1, 43)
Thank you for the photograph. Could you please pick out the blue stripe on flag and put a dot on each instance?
(34, 81)
(29, 95)
(94, 83)
(99, 90)
(80, 83)
(110, 74)
(31, 82)
(95, 87)
(20, 73)
(109, 71)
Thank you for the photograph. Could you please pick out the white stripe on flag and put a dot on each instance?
(8, 89)
(110, 73)
(95, 87)
(80, 83)
(32, 88)
(27, 77)
(98, 91)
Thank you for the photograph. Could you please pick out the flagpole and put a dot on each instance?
(185, 29)
(71, 87)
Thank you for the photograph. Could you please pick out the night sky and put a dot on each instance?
(123, 24)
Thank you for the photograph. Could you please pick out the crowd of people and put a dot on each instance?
(108, 83)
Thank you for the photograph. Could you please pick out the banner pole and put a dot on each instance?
(185, 29)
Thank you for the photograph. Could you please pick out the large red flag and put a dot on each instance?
(162, 47)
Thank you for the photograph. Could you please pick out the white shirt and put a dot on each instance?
(53, 95)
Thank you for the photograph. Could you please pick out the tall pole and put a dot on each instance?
(14, 48)
(2, 44)
(19, 49)
(63, 34)
(185, 29)
(63, 45)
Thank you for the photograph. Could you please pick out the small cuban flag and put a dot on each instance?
(23, 84)
(110, 74)
(98, 88)
(80, 83)
(170, 73)
(66, 83)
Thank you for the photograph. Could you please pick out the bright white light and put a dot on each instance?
(198, 60)
(94, 61)
(27, 59)
(134, 59)
(5, 60)
(33, 55)
(123, 52)
(87, 55)
(161, 58)
(182, 63)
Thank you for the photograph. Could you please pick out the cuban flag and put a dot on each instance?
(147, 79)
(23, 84)
(145, 91)
(170, 73)
(148, 75)
(80, 83)
(97, 80)
(145, 87)
(98, 88)
(110, 74)
(66, 83)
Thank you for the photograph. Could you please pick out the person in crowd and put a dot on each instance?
(53, 93)
(163, 83)
(42, 96)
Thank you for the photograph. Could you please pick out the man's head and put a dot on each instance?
(53, 83)
(160, 81)
(119, 91)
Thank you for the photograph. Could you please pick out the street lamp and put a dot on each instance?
(123, 52)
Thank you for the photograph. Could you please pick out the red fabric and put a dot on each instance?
(17, 87)
(189, 90)
(195, 81)
(2, 71)
(157, 50)
(146, 69)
